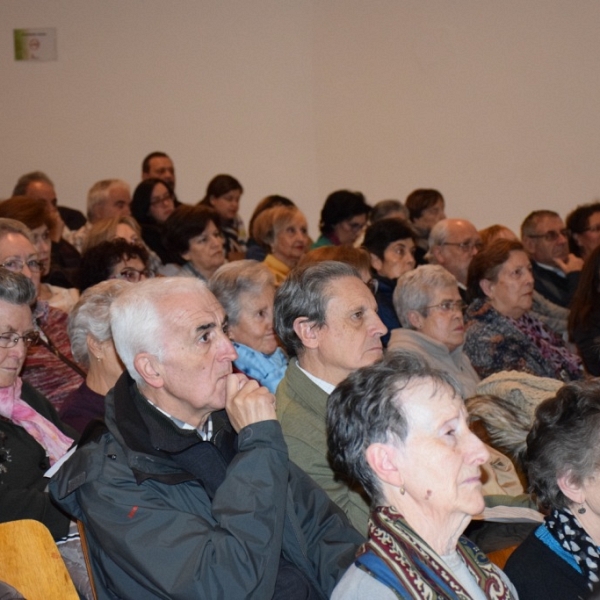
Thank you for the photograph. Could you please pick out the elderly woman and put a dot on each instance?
(343, 217)
(502, 335)
(583, 224)
(246, 289)
(31, 436)
(223, 194)
(561, 559)
(430, 308)
(285, 231)
(399, 429)
(256, 250)
(92, 347)
(391, 247)
(193, 236)
(117, 259)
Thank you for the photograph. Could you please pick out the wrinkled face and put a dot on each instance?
(206, 251)
(456, 253)
(351, 335)
(291, 242)
(440, 457)
(228, 205)
(43, 245)
(116, 204)
(443, 321)
(15, 248)
(589, 240)
(430, 216)
(552, 244)
(255, 325)
(398, 258)
(124, 232)
(197, 355)
(161, 167)
(162, 203)
(348, 231)
(512, 293)
(130, 269)
(17, 320)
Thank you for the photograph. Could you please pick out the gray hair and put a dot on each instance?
(20, 188)
(305, 293)
(98, 195)
(135, 319)
(90, 316)
(13, 226)
(16, 288)
(384, 208)
(415, 289)
(438, 236)
(231, 281)
(366, 408)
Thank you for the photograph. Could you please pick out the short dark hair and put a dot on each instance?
(341, 206)
(220, 185)
(420, 200)
(366, 408)
(487, 263)
(185, 223)
(22, 184)
(577, 221)
(564, 440)
(98, 262)
(380, 234)
(529, 224)
(304, 293)
(146, 161)
(16, 288)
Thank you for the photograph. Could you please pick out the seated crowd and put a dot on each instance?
(264, 415)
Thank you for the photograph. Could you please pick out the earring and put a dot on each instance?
(402, 490)
(581, 510)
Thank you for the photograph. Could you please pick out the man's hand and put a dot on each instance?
(573, 263)
(248, 402)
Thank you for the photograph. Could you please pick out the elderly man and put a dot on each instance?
(452, 245)
(555, 270)
(175, 504)
(326, 318)
(158, 165)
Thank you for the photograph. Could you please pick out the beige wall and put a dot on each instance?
(494, 103)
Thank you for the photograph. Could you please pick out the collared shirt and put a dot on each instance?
(551, 268)
(324, 385)
(205, 431)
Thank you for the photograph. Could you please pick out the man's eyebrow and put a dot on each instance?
(205, 327)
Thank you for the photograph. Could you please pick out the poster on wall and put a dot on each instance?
(35, 44)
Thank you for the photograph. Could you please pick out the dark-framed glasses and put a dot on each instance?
(466, 246)
(10, 339)
(448, 306)
(550, 236)
(16, 265)
(164, 199)
(133, 275)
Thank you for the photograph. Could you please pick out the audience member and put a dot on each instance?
(501, 334)
(425, 209)
(105, 230)
(555, 271)
(327, 321)
(246, 290)
(211, 489)
(343, 218)
(355, 257)
(561, 559)
(193, 237)
(399, 429)
(158, 165)
(388, 209)
(93, 347)
(223, 195)
(583, 224)
(391, 247)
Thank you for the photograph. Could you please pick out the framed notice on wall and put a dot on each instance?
(35, 44)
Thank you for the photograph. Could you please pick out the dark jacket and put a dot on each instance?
(555, 287)
(385, 306)
(157, 531)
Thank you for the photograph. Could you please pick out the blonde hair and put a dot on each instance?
(105, 230)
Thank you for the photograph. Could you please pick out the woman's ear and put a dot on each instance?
(95, 348)
(570, 488)
(487, 287)
(416, 319)
(376, 262)
(307, 332)
(382, 458)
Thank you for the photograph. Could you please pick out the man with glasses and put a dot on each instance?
(452, 245)
(555, 270)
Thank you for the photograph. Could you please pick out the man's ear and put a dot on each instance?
(376, 262)
(307, 332)
(415, 319)
(149, 370)
(438, 254)
(528, 244)
(382, 458)
(571, 489)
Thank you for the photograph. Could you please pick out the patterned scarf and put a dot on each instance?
(414, 570)
(46, 434)
(571, 536)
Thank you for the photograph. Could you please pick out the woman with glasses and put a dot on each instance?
(583, 224)
(152, 204)
(430, 308)
(391, 246)
(502, 334)
(116, 259)
(194, 239)
(343, 217)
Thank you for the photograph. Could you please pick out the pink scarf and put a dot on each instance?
(47, 435)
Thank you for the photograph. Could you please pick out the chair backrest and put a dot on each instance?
(31, 562)
(499, 557)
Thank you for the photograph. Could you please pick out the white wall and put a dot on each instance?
(494, 103)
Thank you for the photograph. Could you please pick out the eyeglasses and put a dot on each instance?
(594, 229)
(550, 236)
(16, 265)
(465, 246)
(133, 275)
(10, 340)
(356, 227)
(166, 199)
(449, 306)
